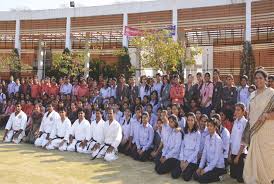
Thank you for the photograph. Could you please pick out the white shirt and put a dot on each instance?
(126, 126)
(17, 122)
(105, 92)
(243, 95)
(113, 91)
(97, 131)
(81, 131)
(157, 86)
(66, 89)
(48, 123)
(236, 135)
(61, 128)
(113, 133)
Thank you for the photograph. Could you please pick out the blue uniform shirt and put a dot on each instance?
(172, 148)
(213, 155)
(145, 137)
(190, 147)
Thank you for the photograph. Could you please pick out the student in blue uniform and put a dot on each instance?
(212, 164)
(135, 123)
(238, 151)
(204, 132)
(225, 136)
(157, 146)
(144, 139)
(171, 149)
(189, 150)
(125, 123)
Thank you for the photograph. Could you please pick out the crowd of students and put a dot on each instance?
(192, 130)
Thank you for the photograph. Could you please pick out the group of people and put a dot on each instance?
(191, 130)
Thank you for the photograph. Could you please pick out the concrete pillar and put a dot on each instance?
(40, 60)
(87, 56)
(17, 44)
(125, 23)
(248, 20)
(175, 22)
(135, 61)
(68, 45)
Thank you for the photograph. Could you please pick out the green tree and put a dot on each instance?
(124, 66)
(247, 61)
(158, 50)
(68, 63)
(13, 64)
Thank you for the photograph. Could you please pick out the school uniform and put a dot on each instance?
(171, 152)
(225, 135)
(204, 134)
(96, 134)
(153, 120)
(212, 160)
(59, 133)
(135, 124)
(144, 142)
(236, 170)
(155, 106)
(126, 134)
(112, 137)
(80, 131)
(14, 124)
(182, 122)
(47, 125)
(189, 151)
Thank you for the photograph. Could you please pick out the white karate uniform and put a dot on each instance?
(46, 127)
(113, 137)
(15, 123)
(59, 133)
(96, 134)
(80, 131)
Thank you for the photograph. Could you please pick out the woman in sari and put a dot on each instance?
(259, 164)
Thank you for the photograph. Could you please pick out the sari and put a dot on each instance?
(259, 163)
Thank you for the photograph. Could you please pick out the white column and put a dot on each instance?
(17, 35)
(87, 56)
(175, 22)
(68, 45)
(248, 20)
(125, 22)
(40, 61)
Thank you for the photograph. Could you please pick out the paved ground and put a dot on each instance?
(25, 164)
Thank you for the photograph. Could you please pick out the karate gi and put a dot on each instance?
(14, 124)
(47, 125)
(59, 133)
(80, 131)
(112, 137)
(96, 134)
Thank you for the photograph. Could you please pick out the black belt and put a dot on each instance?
(14, 132)
(92, 140)
(100, 150)
(57, 137)
(76, 145)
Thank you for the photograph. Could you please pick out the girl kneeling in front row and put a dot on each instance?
(212, 163)
(171, 149)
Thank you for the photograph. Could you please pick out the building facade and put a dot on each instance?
(219, 27)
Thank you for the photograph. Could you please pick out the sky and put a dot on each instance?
(7, 5)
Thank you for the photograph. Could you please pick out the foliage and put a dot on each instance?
(247, 61)
(158, 50)
(124, 64)
(13, 64)
(68, 63)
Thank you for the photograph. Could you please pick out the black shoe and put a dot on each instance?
(240, 180)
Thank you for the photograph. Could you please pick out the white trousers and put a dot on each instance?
(55, 145)
(71, 147)
(103, 153)
(10, 137)
(41, 141)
